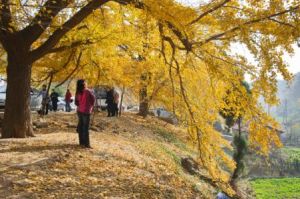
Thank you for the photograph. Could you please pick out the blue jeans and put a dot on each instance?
(83, 129)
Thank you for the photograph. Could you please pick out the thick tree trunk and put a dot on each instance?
(144, 103)
(17, 116)
(144, 100)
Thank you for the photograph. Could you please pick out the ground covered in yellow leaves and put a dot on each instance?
(131, 157)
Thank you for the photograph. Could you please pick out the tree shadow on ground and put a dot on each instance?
(28, 148)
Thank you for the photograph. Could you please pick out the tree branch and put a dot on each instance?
(216, 7)
(179, 34)
(53, 71)
(72, 72)
(5, 17)
(269, 17)
(182, 37)
(67, 26)
(65, 64)
(43, 19)
(73, 45)
(283, 23)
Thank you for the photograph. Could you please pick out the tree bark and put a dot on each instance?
(144, 103)
(17, 117)
(121, 102)
(144, 99)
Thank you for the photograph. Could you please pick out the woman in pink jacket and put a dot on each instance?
(84, 101)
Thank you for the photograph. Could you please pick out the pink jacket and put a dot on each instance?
(85, 101)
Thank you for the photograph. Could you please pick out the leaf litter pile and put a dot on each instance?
(131, 157)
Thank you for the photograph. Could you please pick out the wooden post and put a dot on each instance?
(121, 102)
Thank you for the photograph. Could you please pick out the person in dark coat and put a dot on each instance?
(110, 102)
(54, 99)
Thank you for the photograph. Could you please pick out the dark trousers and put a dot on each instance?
(110, 109)
(83, 129)
(68, 107)
(115, 109)
(54, 105)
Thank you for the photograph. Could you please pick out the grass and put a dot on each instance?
(159, 149)
(277, 188)
(171, 138)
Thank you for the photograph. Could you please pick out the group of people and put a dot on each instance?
(50, 102)
(85, 101)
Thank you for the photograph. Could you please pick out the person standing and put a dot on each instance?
(54, 99)
(110, 102)
(68, 100)
(84, 100)
(158, 112)
(45, 100)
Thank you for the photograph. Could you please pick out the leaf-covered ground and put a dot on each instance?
(131, 157)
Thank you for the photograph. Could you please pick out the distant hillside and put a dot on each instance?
(288, 112)
(289, 95)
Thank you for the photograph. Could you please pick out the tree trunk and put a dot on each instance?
(240, 152)
(144, 104)
(144, 101)
(17, 116)
(121, 102)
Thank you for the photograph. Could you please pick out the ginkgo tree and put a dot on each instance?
(189, 49)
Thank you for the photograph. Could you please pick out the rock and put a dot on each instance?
(197, 187)
(71, 125)
(190, 165)
(55, 123)
(169, 120)
(116, 132)
(100, 127)
(95, 129)
(24, 182)
(40, 124)
(222, 195)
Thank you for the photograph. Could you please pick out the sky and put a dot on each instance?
(293, 61)
(294, 64)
